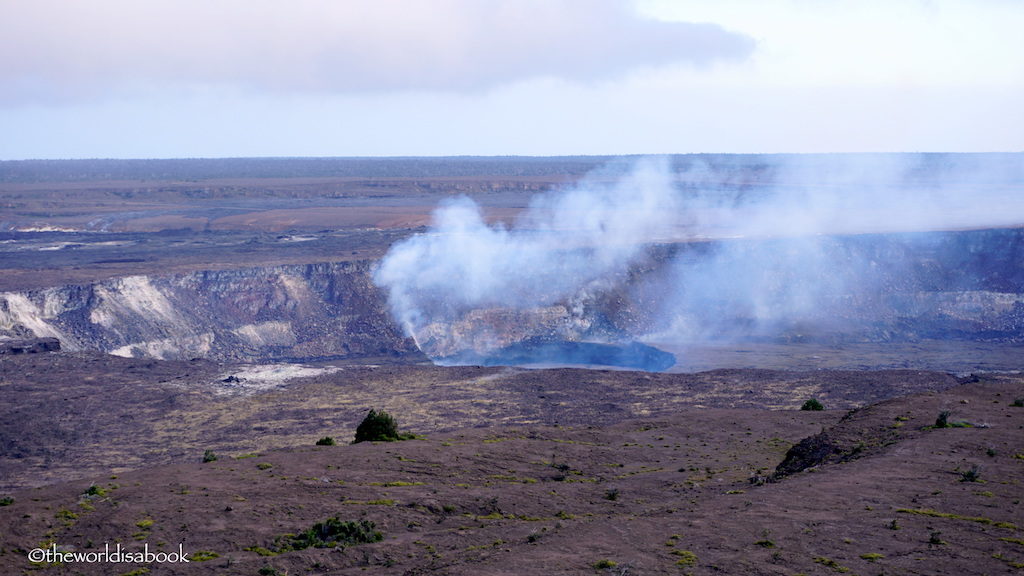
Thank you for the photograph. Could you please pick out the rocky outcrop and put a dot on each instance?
(10, 347)
(299, 312)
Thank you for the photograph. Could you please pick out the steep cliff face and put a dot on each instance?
(949, 286)
(272, 313)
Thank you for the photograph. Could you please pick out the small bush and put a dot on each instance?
(812, 404)
(95, 490)
(209, 456)
(326, 441)
(972, 475)
(766, 541)
(604, 564)
(379, 426)
(1018, 402)
(611, 494)
(942, 421)
(332, 533)
(830, 563)
(563, 471)
(6, 501)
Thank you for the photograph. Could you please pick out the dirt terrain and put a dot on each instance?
(72, 415)
(573, 472)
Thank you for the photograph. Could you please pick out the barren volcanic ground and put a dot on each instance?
(515, 472)
(225, 309)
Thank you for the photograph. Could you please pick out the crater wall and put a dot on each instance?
(966, 286)
(294, 312)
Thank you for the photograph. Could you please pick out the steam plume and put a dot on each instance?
(751, 247)
(565, 244)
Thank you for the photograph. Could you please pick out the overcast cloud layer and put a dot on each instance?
(214, 78)
(59, 50)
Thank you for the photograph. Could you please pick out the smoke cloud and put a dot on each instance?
(714, 248)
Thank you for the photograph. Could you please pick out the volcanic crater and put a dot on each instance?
(156, 314)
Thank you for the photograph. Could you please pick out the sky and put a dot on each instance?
(234, 78)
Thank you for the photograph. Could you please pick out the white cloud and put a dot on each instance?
(869, 42)
(56, 50)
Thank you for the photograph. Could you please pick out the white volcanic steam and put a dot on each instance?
(772, 260)
(565, 243)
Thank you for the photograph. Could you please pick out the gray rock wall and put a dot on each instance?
(272, 313)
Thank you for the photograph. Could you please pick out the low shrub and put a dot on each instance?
(332, 533)
(94, 490)
(813, 404)
(971, 475)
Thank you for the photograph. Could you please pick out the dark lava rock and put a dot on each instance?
(29, 346)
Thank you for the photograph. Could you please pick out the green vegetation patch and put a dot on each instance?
(95, 490)
(943, 421)
(978, 519)
(331, 533)
(830, 563)
(1012, 563)
(512, 479)
(203, 555)
(686, 558)
(380, 502)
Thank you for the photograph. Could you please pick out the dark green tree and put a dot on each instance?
(379, 426)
